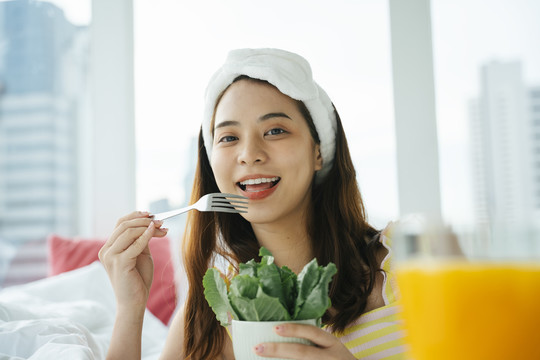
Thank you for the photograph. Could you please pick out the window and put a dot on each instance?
(484, 53)
(43, 98)
(347, 44)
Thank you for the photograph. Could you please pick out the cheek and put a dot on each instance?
(301, 162)
(303, 156)
(219, 167)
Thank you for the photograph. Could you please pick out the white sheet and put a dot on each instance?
(69, 316)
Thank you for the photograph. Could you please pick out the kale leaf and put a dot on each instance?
(266, 292)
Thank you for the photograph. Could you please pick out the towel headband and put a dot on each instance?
(288, 72)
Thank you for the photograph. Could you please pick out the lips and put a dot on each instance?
(258, 187)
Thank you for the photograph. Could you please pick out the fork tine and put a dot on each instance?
(228, 205)
(227, 210)
(224, 195)
(230, 202)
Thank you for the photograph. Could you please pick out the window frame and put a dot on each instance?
(414, 108)
(108, 170)
(107, 173)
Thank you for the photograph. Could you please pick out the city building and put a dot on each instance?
(505, 142)
(534, 110)
(43, 62)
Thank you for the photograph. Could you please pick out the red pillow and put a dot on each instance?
(67, 254)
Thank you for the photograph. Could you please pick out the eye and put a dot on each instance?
(275, 131)
(227, 139)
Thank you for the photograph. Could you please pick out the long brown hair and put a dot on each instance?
(338, 230)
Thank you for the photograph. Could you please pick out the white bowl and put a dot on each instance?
(247, 334)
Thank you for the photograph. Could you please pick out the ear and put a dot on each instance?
(318, 158)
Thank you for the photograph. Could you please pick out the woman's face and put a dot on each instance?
(263, 150)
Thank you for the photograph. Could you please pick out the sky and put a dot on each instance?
(179, 44)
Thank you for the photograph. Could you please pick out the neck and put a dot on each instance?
(288, 242)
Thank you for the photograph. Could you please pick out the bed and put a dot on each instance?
(69, 314)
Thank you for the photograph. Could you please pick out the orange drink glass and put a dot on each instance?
(481, 304)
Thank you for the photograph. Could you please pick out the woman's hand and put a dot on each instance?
(127, 258)
(327, 346)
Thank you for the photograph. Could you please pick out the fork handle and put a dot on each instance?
(170, 214)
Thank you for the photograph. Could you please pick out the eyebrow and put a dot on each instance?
(227, 123)
(262, 118)
(273, 115)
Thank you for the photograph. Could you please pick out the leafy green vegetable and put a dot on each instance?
(288, 287)
(249, 268)
(244, 286)
(261, 308)
(266, 292)
(317, 300)
(270, 280)
(215, 292)
(307, 279)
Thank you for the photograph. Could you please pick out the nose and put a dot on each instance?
(252, 152)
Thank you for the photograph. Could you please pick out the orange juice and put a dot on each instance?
(461, 310)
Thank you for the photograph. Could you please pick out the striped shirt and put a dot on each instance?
(378, 334)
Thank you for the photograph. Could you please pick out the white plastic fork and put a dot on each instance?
(229, 203)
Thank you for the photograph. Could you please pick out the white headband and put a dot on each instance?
(291, 74)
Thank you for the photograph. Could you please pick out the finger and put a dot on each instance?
(287, 351)
(146, 250)
(131, 234)
(123, 223)
(158, 233)
(133, 222)
(133, 215)
(310, 332)
(140, 243)
(116, 245)
(125, 226)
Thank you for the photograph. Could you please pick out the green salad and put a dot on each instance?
(266, 292)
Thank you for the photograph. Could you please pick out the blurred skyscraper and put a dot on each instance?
(43, 61)
(505, 138)
(534, 110)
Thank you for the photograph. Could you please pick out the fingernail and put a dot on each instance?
(259, 349)
(145, 213)
(279, 328)
(158, 222)
(164, 229)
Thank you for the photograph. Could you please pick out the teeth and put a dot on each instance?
(259, 181)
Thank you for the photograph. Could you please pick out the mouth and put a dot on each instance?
(258, 184)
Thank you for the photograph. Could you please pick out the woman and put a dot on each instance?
(269, 133)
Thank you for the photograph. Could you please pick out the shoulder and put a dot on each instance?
(376, 299)
(385, 239)
(378, 296)
(388, 231)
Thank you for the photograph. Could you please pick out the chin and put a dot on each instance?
(260, 218)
